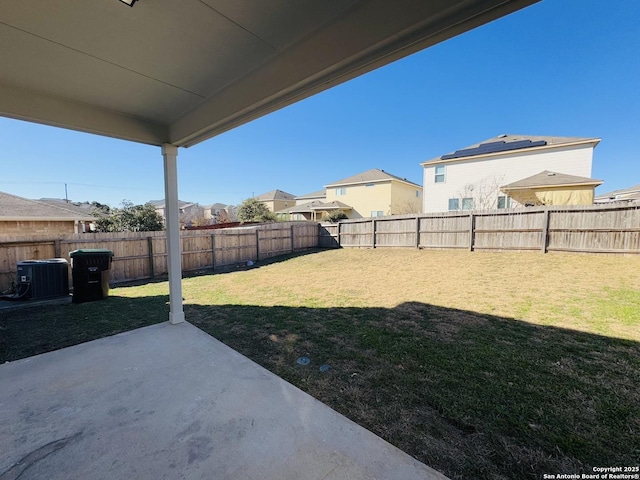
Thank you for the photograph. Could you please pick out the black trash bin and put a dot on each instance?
(90, 271)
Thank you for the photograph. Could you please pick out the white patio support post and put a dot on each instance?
(171, 212)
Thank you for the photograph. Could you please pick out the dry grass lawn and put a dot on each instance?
(582, 292)
(482, 365)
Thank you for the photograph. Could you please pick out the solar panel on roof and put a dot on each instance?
(493, 147)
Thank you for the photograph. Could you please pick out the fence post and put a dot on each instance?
(417, 232)
(472, 227)
(56, 248)
(257, 244)
(373, 233)
(213, 251)
(545, 231)
(339, 242)
(292, 237)
(152, 273)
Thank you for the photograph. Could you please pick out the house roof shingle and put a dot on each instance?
(216, 206)
(519, 143)
(275, 195)
(370, 176)
(622, 192)
(318, 194)
(314, 206)
(550, 179)
(333, 206)
(160, 203)
(14, 207)
(83, 208)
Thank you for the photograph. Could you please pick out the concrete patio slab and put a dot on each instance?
(171, 402)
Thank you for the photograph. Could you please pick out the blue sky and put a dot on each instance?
(560, 67)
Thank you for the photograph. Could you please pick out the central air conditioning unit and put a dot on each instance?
(40, 279)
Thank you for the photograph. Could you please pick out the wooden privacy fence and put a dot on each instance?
(592, 229)
(143, 255)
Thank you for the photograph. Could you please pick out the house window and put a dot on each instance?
(467, 203)
(377, 213)
(454, 204)
(504, 202)
(341, 191)
(369, 184)
(418, 193)
(439, 173)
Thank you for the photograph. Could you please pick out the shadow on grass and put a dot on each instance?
(474, 396)
(222, 269)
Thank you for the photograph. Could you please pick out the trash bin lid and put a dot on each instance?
(90, 251)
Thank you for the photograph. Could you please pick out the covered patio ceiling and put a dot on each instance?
(180, 72)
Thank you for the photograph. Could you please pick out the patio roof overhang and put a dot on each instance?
(181, 72)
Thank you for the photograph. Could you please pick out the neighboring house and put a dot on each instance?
(625, 195)
(276, 200)
(190, 213)
(213, 212)
(471, 178)
(160, 206)
(21, 216)
(551, 188)
(373, 193)
(320, 195)
(315, 210)
(219, 213)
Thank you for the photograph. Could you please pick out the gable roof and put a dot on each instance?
(84, 208)
(547, 178)
(275, 195)
(215, 206)
(302, 208)
(314, 206)
(622, 192)
(333, 206)
(160, 203)
(508, 143)
(317, 194)
(13, 207)
(370, 176)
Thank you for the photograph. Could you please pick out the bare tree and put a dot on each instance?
(484, 192)
(407, 207)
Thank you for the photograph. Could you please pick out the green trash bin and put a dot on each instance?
(90, 272)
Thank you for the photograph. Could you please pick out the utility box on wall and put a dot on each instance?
(45, 278)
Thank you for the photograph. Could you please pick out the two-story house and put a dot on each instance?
(471, 178)
(276, 200)
(373, 193)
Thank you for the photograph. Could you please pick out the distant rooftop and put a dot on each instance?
(317, 194)
(160, 203)
(84, 208)
(370, 176)
(509, 142)
(14, 207)
(275, 195)
(622, 192)
(550, 179)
